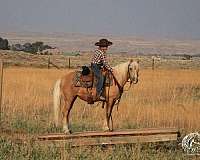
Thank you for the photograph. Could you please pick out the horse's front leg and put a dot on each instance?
(109, 108)
(65, 114)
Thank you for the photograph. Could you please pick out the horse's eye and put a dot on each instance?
(131, 69)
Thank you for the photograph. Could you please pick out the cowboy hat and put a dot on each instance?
(103, 43)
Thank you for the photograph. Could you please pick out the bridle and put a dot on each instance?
(132, 79)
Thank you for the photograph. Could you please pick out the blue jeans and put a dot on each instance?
(97, 73)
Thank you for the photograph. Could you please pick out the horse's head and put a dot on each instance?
(133, 71)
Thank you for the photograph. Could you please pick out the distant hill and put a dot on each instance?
(68, 42)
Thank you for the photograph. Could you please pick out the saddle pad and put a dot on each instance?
(77, 81)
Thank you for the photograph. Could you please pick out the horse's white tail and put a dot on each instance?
(56, 101)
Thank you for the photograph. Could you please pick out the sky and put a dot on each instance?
(157, 18)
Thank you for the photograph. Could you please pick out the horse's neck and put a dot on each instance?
(120, 72)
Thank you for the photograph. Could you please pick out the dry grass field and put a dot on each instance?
(162, 98)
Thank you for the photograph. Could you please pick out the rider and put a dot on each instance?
(99, 60)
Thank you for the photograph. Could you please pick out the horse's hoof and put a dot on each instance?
(108, 130)
(67, 132)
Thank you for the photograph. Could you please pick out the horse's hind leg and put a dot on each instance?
(68, 103)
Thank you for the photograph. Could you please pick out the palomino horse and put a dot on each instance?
(65, 90)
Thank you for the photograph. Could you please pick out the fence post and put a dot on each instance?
(1, 88)
(153, 63)
(48, 63)
(69, 63)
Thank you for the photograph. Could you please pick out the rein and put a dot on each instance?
(131, 82)
(121, 88)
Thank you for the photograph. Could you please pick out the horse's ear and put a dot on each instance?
(138, 60)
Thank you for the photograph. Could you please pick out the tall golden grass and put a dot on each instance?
(162, 98)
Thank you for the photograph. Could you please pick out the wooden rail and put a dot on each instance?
(115, 137)
(50, 63)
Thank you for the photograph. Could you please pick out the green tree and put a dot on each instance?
(4, 44)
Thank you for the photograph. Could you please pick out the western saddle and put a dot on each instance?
(85, 78)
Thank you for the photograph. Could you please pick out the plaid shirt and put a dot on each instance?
(99, 57)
